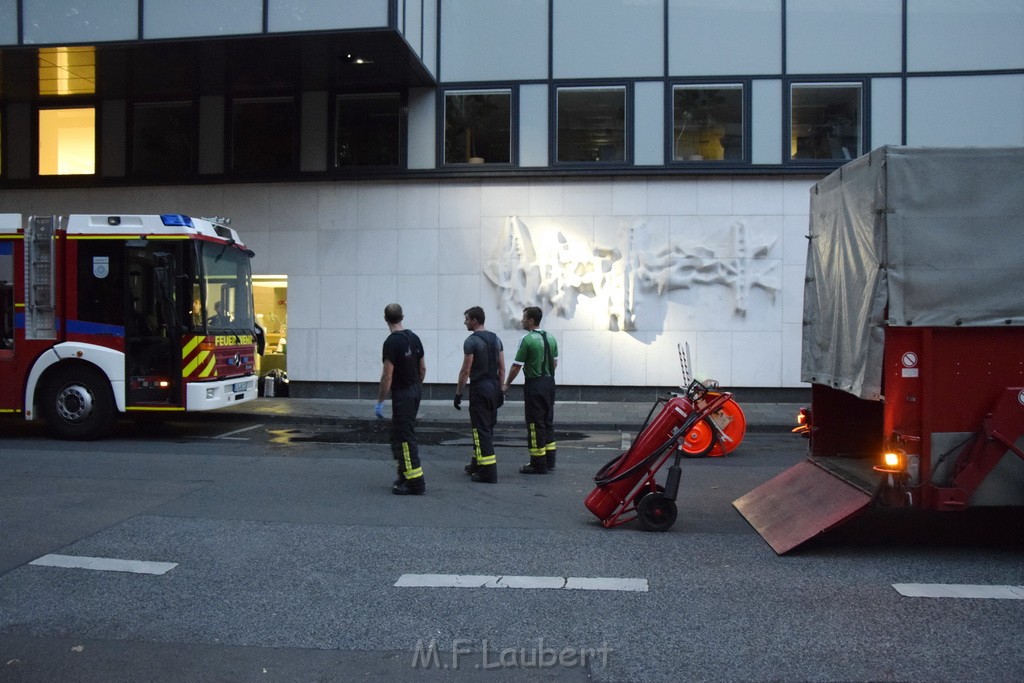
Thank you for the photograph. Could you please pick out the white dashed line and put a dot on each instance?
(229, 435)
(104, 564)
(959, 590)
(524, 582)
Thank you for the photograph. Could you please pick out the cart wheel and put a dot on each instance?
(700, 440)
(731, 420)
(648, 490)
(656, 512)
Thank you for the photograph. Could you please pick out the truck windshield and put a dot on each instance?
(227, 288)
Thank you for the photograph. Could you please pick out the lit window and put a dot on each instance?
(707, 123)
(162, 140)
(478, 127)
(262, 135)
(367, 130)
(825, 121)
(67, 141)
(67, 70)
(592, 124)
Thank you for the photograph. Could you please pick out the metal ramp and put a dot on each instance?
(805, 501)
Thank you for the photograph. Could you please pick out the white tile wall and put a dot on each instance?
(349, 249)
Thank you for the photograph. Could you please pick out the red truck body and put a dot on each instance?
(913, 342)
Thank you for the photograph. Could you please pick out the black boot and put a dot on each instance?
(409, 487)
(472, 466)
(538, 465)
(550, 456)
(487, 474)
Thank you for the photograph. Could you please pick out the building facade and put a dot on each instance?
(638, 168)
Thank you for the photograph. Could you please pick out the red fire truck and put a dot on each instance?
(913, 342)
(107, 314)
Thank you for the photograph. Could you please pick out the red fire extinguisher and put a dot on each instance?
(628, 477)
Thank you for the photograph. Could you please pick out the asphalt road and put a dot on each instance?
(287, 546)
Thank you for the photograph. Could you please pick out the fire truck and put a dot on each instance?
(110, 313)
(913, 342)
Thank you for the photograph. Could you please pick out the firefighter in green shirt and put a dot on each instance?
(537, 356)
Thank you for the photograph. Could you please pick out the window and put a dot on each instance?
(367, 130)
(262, 135)
(478, 127)
(67, 70)
(707, 123)
(162, 140)
(825, 121)
(591, 125)
(67, 141)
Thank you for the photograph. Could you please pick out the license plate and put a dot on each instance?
(239, 386)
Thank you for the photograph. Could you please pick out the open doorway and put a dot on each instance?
(270, 299)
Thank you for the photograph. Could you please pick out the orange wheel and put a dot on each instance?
(699, 441)
(733, 424)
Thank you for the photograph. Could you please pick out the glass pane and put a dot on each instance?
(67, 141)
(228, 282)
(262, 137)
(592, 124)
(162, 140)
(67, 70)
(477, 127)
(707, 123)
(367, 129)
(825, 121)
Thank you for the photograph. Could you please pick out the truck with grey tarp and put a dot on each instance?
(913, 342)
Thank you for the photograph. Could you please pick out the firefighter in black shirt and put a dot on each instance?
(403, 373)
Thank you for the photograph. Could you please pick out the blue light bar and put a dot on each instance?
(176, 219)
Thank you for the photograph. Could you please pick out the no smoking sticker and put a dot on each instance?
(909, 368)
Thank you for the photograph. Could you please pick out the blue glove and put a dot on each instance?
(457, 402)
(378, 410)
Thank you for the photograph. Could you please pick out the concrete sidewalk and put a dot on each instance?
(621, 416)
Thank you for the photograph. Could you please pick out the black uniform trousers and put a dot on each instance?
(539, 395)
(405, 404)
(483, 415)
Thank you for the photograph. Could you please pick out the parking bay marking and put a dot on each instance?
(104, 564)
(526, 582)
(959, 590)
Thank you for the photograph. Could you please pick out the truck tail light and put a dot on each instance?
(893, 462)
(803, 422)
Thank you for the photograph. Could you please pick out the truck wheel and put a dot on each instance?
(656, 512)
(700, 440)
(78, 404)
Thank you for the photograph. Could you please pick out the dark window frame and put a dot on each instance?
(513, 125)
(192, 129)
(333, 139)
(745, 124)
(863, 129)
(627, 124)
(231, 125)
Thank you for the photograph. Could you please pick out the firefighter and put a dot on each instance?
(538, 357)
(402, 376)
(483, 366)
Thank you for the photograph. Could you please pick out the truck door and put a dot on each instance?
(152, 325)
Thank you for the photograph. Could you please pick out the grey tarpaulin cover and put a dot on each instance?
(909, 236)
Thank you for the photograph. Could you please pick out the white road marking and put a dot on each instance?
(104, 564)
(959, 590)
(228, 435)
(526, 582)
